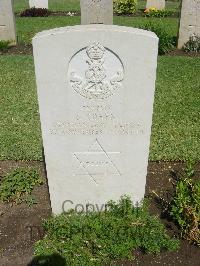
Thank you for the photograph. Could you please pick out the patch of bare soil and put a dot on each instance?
(139, 13)
(178, 52)
(20, 225)
(27, 49)
(19, 49)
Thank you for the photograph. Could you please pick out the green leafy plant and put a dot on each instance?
(30, 200)
(185, 206)
(125, 6)
(95, 238)
(193, 45)
(18, 185)
(4, 45)
(166, 42)
(35, 12)
(157, 13)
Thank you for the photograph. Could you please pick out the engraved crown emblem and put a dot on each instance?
(97, 82)
(95, 51)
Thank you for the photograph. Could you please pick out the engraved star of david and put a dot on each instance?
(90, 163)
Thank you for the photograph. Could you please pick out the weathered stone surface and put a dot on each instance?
(159, 4)
(96, 90)
(190, 21)
(38, 3)
(96, 12)
(7, 21)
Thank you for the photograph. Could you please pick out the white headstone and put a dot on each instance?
(96, 90)
(96, 12)
(38, 3)
(7, 21)
(158, 4)
(190, 21)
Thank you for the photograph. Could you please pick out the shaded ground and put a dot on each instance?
(177, 52)
(23, 49)
(26, 49)
(139, 13)
(20, 226)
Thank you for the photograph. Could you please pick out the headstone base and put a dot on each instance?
(158, 4)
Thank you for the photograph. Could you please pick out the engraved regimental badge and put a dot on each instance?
(95, 3)
(96, 72)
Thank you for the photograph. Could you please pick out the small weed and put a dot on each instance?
(18, 185)
(193, 45)
(185, 206)
(30, 200)
(97, 238)
(4, 45)
(125, 6)
(35, 12)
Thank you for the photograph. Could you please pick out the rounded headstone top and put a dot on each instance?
(95, 27)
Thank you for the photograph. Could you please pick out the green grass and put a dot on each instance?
(74, 5)
(170, 24)
(176, 127)
(54, 5)
(19, 124)
(28, 27)
(96, 238)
